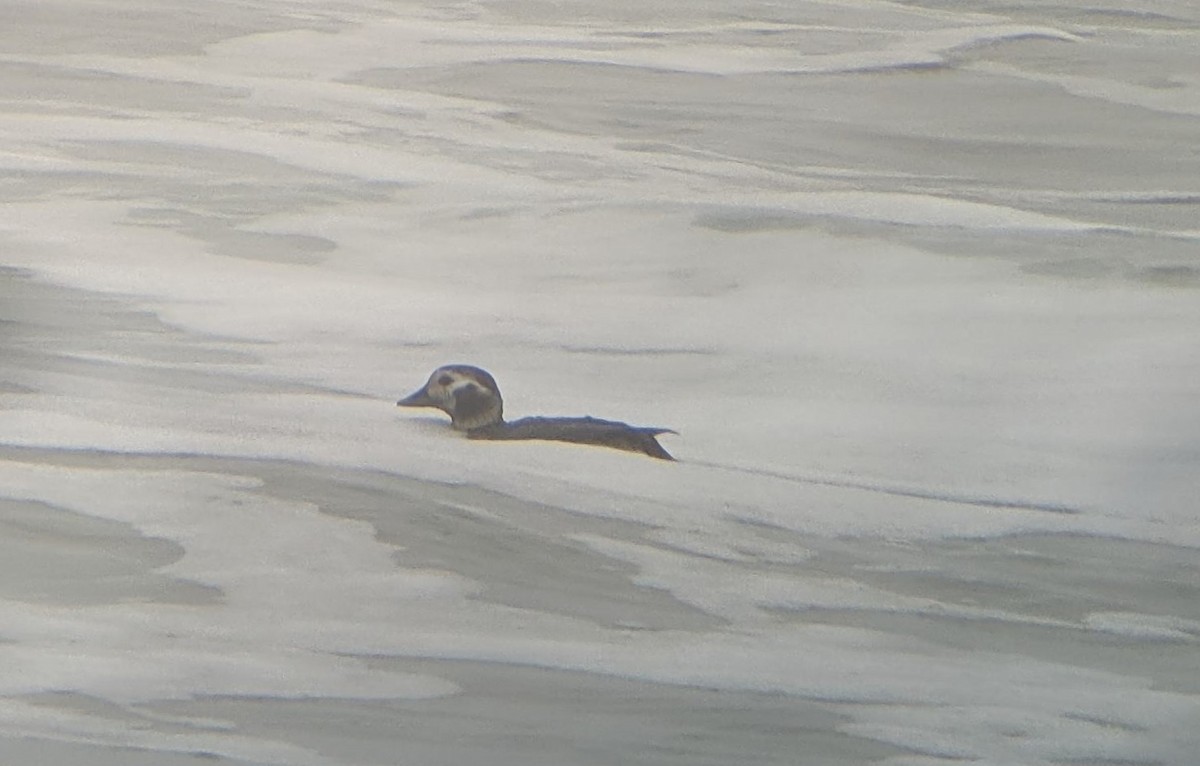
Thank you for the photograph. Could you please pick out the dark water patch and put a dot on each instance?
(917, 493)
(521, 554)
(162, 28)
(1064, 577)
(1028, 595)
(1127, 17)
(483, 213)
(1074, 268)
(649, 147)
(1165, 199)
(1097, 254)
(124, 735)
(224, 237)
(51, 555)
(48, 330)
(617, 351)
(211, 181)
(904, 67)
(21, 185)
(75, 89)
(509, 714)
(753, 221)
(33, 750)
(1171, 276)
(1107, 722)
(296, 249)
(1042, 13)
(865, 129)
(1170, 666)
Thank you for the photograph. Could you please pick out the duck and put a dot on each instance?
(471, 397)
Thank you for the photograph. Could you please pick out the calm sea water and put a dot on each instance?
(916, 282)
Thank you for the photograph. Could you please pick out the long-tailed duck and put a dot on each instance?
(471, 398)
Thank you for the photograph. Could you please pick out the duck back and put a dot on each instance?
(588, 430)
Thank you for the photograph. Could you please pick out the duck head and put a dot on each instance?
(467, 394)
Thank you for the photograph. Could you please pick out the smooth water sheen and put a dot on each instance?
(918, 284)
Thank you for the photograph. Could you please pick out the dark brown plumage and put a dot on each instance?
(471, 397)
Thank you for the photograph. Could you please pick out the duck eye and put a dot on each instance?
(445, 380)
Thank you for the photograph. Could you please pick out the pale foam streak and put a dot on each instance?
(913, 285)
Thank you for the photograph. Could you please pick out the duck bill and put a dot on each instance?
(417, 399)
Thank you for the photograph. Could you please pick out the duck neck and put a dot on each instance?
(492, 418)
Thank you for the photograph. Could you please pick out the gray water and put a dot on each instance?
(917, 284)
